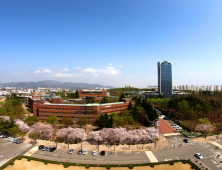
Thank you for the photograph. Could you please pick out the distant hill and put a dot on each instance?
(53, 84)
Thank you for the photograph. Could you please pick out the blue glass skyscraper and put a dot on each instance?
(165, 78)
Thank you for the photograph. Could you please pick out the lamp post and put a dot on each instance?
(51, 139)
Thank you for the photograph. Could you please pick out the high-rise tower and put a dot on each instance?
(165, 78)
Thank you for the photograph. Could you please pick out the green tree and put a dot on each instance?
(31, 120)
(13, 131)
(34, 136)
(52, 120)
(130, 106)
(2, 111)
(66, 121)
(82, 121)
(104, 100)
(135, 113)
(6, 125)
(122, 95)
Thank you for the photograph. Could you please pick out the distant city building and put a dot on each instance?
(128, 86)
(165, 78)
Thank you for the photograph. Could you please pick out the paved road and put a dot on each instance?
(109, 158)
(10, 150)
(187, 150)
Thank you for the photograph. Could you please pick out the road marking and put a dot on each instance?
(30, 152)
(151, 156)
(217, 144)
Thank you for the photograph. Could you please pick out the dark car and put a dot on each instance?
(52, 149)
(186, 140)
(41, 147)
(47, 148)
(18, 141)
(165, 118)
(79, 152)
(102, 153)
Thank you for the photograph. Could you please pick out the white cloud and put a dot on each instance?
(190, 73)
(107, 70)
(37, 71)
(63, 75)
(78, 68)
(110, 64)
(47, 71)
(120, 65)
(65, 69)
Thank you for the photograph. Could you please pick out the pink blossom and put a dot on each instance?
(45, 131)
(21, 125)
(5, 118)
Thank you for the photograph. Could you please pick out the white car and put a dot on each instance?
(85, 152)
(179, 128)
(198, 155)
(176, 126)
(9, 138)
(94, 153)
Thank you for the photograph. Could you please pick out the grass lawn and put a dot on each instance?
(34, 165)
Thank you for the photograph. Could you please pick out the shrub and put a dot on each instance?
(46, 162)
(152, 165)
(29, 159)
(130, 166)
(65, 165)
(87, 166)
(171, 163)
(12, 163)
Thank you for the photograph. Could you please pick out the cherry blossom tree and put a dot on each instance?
(72, 135)
(5, 118)
(96, 136)
(203, 128)
(44, 131)
(23, 127)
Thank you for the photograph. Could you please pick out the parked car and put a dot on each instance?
(198, 155)
(70, 151)
(79, 152)
(52, 149)
(85, 152)
(165, 118)
(19, 141)
(173, 124)
(41, 147)
(179, 128)
(94, 153)
(1, 135)
(47, 148)
(44, 148)
(11, 140)
(102, 153)
(176, 126)
(186, 140)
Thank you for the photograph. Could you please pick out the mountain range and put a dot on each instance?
(53, 84)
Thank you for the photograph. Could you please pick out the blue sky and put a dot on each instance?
(110, 42)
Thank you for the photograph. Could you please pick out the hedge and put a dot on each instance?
(67, 164)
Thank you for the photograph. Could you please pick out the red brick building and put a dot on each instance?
(97, 93)
(44, 107)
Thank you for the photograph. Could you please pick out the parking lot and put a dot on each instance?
(110, 157)
(9, 150)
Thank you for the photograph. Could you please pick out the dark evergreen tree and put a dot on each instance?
(130, 106)
(135, 113)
